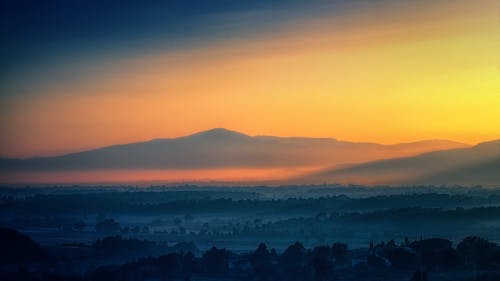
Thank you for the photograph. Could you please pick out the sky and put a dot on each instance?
(77, 75)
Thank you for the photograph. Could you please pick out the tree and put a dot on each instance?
(322, 263)
(339, 252)
(407, 242)
(261, 262)
(475, 250)
(293, 255)
(293, 263)
(216, 262)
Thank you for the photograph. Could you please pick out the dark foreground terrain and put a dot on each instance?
(473, 258)
(220, 233)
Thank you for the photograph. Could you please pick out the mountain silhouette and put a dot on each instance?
(479, 164)
(222, 148)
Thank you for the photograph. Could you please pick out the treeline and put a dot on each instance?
(417, 259)
(473, 257)
(203, 202)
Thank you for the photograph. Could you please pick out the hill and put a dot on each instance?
(221, 148)
(479, 164)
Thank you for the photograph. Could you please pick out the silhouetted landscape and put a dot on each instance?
(430, 210)
(238, 140)
(213, 149)
(317, 232)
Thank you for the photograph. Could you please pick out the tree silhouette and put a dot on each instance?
(216, 262)
(475, 250)
(261, 262)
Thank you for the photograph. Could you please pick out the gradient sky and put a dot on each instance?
(83, 74)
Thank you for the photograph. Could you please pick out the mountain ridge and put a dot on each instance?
(452, 166)
(223, 148)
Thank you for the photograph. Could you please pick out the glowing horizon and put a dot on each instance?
(387, 73)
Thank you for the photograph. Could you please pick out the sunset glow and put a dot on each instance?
(250, 140)
(383, 76)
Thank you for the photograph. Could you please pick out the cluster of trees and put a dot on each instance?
(417, 258)
(295, 263)
(322, 220)
(200, 201)
(22, 258)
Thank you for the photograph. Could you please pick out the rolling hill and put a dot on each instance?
(221, 148)
(477, 165)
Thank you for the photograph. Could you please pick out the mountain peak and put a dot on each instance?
(219, 133)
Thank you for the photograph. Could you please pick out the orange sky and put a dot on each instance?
(429, 73)
(149, 176)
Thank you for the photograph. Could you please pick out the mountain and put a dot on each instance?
(221, 148)
(479, 164)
